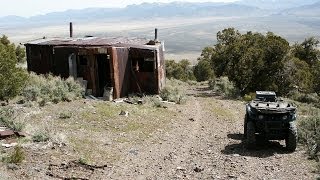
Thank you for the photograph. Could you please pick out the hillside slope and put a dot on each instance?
(198, 140)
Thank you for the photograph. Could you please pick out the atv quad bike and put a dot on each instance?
(270, 118)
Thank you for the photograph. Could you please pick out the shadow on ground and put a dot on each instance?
(235, 136)
(263, 149)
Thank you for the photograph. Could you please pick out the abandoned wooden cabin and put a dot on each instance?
(126, 65)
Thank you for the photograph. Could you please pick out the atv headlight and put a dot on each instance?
(285, 117)
(294, 117)
(260, 117)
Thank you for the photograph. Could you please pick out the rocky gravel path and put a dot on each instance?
(205, 142)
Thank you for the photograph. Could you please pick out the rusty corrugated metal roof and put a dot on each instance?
(91, 41)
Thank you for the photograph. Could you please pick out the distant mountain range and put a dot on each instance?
(277, 4)
(312, 10)
(243, 8)
(144, 10)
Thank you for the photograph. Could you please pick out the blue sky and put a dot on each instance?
(28, 8)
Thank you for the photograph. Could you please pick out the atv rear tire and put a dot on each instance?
(291, 140)
(250, 135)
(245, 127)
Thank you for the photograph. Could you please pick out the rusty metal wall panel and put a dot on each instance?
(94, 74)
(39, 59)
(29, 57)
(161, 69)
(146, 82)
(123, 70)
(115, 72)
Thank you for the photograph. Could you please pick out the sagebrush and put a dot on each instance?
(226, 87)
(309, 135)
(304, 97)
(50, 88)
(7, 119)
(16, 156)
(40, 136)
(173, 94)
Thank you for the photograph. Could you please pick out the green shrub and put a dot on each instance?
(12, 78)
(40, 136)
(249, 97)
(203, 71)
(179, 70)
(157, 103)
(83, 161)
(309, 135)
(16, 156)
(212, 83)
(226, 87)
(173, 94)
(7, 120)
(304, 98)
(45, 89)
(65, 115)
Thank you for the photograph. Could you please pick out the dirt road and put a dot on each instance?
(205, 143)
(201, 141)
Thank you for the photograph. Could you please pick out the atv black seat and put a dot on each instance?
(266, 96)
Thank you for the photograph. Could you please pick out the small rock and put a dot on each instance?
(124, 113)
(269, 168)
(277, 156)
(4, 103)
(198, 169)
(9, 145)
(12, 166)
(236, 155)
(181, 169)
(108, 143)
(232, 176)
(37, 169)
(192, 119)
(134, 152)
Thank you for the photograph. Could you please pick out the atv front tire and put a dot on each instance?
(291, 140)
(245, 127)
(250, 135)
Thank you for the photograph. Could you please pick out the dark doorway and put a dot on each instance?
(103, 61)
